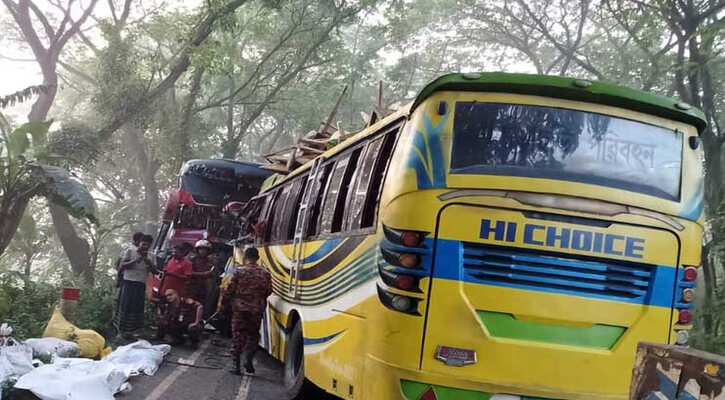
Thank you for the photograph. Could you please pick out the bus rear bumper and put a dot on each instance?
(383, 380)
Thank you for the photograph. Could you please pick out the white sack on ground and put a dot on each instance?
(74, 379)
(53, 347)
(139, 357)
(15, 361)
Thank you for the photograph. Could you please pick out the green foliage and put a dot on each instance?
(22, 168)
(21, 96)
(27, 306)
(95, 308)
(74, 145)
(61, 189)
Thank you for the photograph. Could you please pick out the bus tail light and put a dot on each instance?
(408, 260)
(393, 257)
(684, 317)
(405, 282)
(410, 239)
(688, 295)
(690, 274)
(405, 238)
(399, 281)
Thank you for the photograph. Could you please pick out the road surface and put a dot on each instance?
(210, 379)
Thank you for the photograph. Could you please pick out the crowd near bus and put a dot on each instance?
(503, 236)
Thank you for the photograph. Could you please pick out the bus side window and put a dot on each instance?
(253, 214)
(333, 188)
(356, 197)
(278, 226)
(316, 197)
(272, 203)
(348, 181)
(381, 165)
(291, 209)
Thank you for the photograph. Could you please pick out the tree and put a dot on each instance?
(25, 174)
(47, 52)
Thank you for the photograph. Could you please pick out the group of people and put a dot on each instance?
(189, 294)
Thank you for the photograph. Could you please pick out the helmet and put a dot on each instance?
(202, 243)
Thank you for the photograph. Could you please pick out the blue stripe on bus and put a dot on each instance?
(323, 250)
(312, 341)
(449, 254)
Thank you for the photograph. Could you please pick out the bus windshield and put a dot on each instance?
(218, 192)
(217, 181)
(565, 144)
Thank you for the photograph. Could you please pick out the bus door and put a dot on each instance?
(537, 300)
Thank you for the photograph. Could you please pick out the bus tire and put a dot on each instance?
(295, 384)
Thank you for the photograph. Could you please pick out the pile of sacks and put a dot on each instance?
(66, 376)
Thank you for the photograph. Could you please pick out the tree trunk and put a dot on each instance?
(76, 248)
(709, 278)
(11, 212)
(186, 114)
(146, 169)
(41, 107)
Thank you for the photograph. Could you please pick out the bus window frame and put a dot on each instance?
(352, 194)
(294, 215)
(317, 199)
(345, 158)
(348, 180)
(269, 220)
(280, 211)
(394, 128)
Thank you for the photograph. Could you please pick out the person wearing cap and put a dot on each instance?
(202, 286)
(247, 294)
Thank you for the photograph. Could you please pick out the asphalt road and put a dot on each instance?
(209, 379)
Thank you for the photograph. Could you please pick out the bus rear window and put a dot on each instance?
(558, 143)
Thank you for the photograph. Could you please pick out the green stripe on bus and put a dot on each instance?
(414, 390)
(566, 88)
(502, 325)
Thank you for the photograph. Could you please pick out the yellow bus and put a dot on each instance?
(505, 236)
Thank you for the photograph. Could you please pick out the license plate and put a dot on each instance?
(455, 356)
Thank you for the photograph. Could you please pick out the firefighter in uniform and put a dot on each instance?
(247, 293)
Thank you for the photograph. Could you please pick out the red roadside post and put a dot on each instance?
(69, 303)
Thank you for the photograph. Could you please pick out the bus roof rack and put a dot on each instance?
(326, 136)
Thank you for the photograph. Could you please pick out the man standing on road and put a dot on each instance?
(202, 286)
(247, 291)
(129, 252)
(134, 268)
(177, 271)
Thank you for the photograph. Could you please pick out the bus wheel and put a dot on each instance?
(294, 363)
(295, 384)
